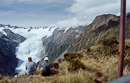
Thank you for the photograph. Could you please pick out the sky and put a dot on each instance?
(62, 13)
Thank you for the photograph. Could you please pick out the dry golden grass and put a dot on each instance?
(6, 80)
(99, 70)
(79, 77)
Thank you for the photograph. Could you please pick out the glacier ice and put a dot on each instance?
(32, 46)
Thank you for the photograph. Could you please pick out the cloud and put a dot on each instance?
(32, 12)
(84, 11)
(32, 1)
(63, 13)
(3, 13)
(28, 18)
(70, 22)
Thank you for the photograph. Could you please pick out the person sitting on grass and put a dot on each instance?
(45, 70)
(30, 67)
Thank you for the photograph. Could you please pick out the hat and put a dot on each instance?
(46, 58)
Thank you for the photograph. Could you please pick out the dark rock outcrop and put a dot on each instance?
(14, 37)
(8, 44)
(8, 61)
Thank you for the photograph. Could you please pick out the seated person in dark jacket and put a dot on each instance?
(45, 70)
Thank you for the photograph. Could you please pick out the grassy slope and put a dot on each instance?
(101, 67)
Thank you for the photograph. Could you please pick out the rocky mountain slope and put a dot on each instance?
(102, 26)
(8, 43)
(60, 41)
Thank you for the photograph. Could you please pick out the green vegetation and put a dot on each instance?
(71, 56)
(55, 65)
(109, 41)
(105, 47)
(75, 65)
(127, 62)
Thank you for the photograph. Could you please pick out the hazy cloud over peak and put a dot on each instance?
(84, 11)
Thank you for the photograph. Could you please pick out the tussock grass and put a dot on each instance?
(102, 70)
(99, 70)
(78, 77)
(6, 80)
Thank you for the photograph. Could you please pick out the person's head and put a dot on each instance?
(29, 59)
(46, 59)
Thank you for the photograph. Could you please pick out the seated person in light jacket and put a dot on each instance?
(30, 67)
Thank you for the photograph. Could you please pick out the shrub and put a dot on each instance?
(114, 51)
(69, 56)
(75, 65)
(72, 56)
(55, 65)
(60, 60)
(127, 62)
(54, 71)
(88, 49)
(109, 41)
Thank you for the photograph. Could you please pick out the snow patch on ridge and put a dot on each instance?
(1, 30)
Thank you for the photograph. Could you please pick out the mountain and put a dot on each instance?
(54, 41)
(60, 41)
(102, 26)
(32, 46)
(41, 41)
(96, 44)
(71, 41)
(14, 37)
(8, 43)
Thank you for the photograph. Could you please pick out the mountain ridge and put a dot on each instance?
(102, 26)
(60, 40)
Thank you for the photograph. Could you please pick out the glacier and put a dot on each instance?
(32, 46)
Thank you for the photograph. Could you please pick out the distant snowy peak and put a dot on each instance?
(42, 27)
(9, 26)
(41, 31)
(29, 28)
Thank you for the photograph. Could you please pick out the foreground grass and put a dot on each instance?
(100, 61)
(99, 70)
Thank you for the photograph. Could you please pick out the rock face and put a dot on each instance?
(8, 60)
(102, 26)
(14, 37)
(60, 41)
